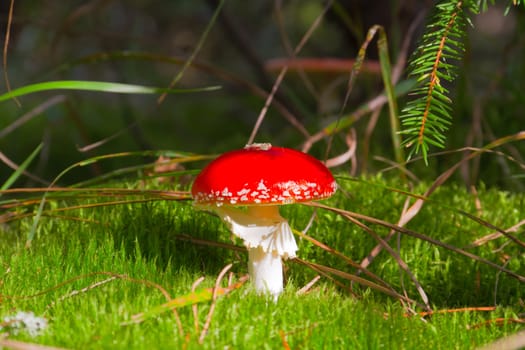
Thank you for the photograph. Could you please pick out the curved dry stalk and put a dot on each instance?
(328, 271)
(396, 166)
(512, 342)
(343, 257)
(6, 46)
(377, 249)
(55, 193)
(354, 116)
(195, 307)
(309, 285)
(478, 150)
(396, 256)
(22, 345)
(100, 191)
(7, 161)
(381, 286)
(26, 117)
(207, 323)
(7, 218)
(80, 291)
(485, 223)
(414, 209)
(351, 142)
(418, 235)
(495, 235)
(112, 276)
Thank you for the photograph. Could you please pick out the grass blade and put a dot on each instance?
(82, 163)
(198, 47)
(14, 176)
(100, 86)
(386, 73)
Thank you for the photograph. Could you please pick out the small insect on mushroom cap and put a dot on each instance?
(263, 174)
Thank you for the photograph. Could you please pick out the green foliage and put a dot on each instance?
(99, 86)
(427, 116)
(16, 174)
(91, 269)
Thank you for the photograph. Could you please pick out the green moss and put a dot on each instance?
(89, 276)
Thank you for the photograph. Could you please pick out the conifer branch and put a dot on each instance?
(434, 79)
(426, 118)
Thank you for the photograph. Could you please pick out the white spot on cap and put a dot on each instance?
(261, 186)
(243, 192)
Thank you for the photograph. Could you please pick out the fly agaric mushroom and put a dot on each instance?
(262, 178)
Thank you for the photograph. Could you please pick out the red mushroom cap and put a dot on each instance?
(262, 174)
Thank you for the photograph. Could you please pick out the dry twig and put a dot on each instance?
(213, 303)
(281, 75)
(512, 342)
(195, 307)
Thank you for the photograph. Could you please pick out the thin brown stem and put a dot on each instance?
(6, 46)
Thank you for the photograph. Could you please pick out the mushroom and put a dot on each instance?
(260, 178)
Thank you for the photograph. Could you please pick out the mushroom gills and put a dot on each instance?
(261, 226)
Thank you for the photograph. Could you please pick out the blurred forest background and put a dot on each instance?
(146, 42)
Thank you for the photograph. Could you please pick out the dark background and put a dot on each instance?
(57, 40)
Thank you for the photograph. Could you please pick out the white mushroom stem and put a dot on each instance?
(266, 271)
(268, 238)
